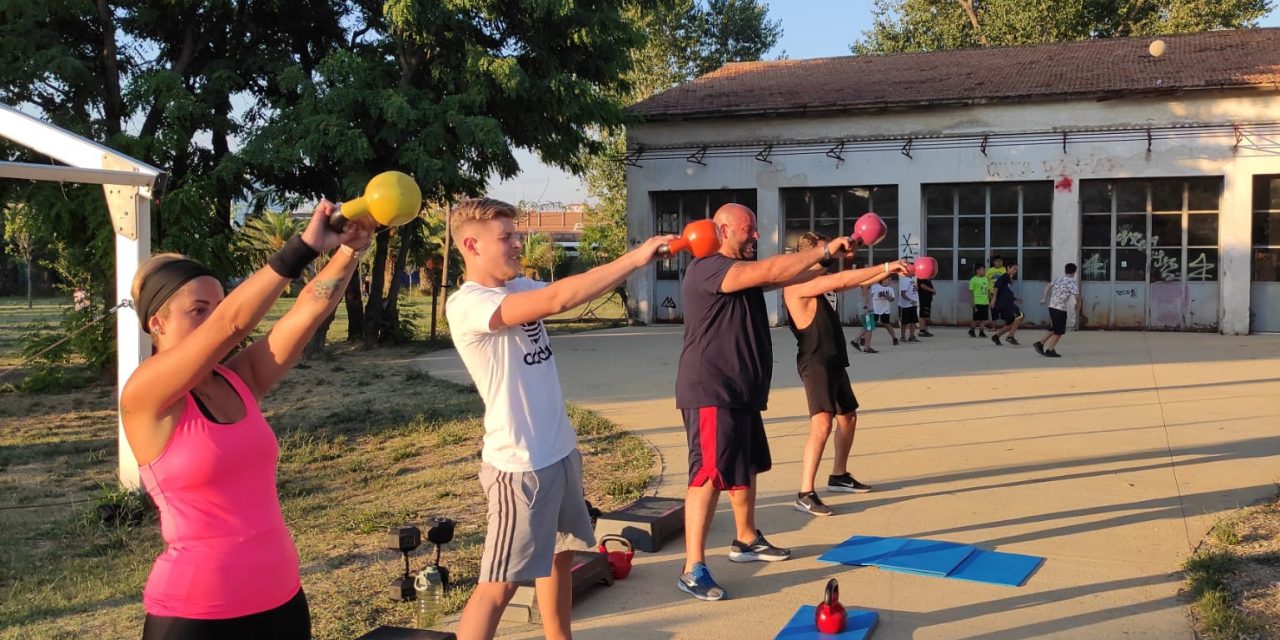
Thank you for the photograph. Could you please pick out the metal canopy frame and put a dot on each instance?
(129, 186)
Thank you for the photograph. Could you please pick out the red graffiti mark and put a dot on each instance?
(1063, 184)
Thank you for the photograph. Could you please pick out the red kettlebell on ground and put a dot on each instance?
(869, 229)
(924, 267)
(619, 561)
(830, 616)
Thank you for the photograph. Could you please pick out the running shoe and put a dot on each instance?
(757, 550)
(699, 583)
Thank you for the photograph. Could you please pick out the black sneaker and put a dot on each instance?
(855, 345)
(1011, 340)
(757, 550)
(810, 503)
(846, 483)
(869, 350)
(699, 584)
(1039, 347)
(996, 339)
(925, 333)
(982, 334)
(972, 334)
(895, 342)
(1052, 354)
(913, 339)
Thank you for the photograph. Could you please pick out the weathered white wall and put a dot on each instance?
(1207, 154)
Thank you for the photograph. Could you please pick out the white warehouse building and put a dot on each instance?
(1158, 175)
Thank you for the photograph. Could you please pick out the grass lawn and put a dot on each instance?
(1233, 579)
(16, 321)
(366, 442)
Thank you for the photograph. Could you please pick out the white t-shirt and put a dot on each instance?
(881, 298)
(909, 297)
(525, 425)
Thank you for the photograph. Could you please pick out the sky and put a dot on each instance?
(810, 29)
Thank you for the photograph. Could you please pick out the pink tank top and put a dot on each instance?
(228, 551)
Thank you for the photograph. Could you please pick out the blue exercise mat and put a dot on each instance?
(863, 550)
(858, 626)
(935, 558)
(929, 557)
(990, 567)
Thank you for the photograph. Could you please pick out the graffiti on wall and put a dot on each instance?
(1200, 268)
(909, 247)
(1095, 267)
(1164, 265)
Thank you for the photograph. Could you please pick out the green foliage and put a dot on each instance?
(1207, 571)
(263, 235)
(542, 254)
(931, 25)
(683, 39)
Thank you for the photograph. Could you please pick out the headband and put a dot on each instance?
(163, 283)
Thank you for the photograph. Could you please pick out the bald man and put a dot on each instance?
(722, 385)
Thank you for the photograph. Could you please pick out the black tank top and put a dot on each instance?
(822, 342)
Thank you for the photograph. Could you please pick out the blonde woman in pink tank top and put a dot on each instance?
(206, 454)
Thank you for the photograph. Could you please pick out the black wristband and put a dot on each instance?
(292, 258)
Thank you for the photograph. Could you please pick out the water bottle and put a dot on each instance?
(429, 588)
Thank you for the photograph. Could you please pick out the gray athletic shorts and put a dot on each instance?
(533, 515)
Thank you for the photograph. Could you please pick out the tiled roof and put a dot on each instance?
(1245, 58)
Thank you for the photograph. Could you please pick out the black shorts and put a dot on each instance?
(981, 312)
(884, 319)
(1008, 313)
(1057, 321)
(726, 446)
(908, 315)
(287, 621)
(926, 309)
(827, 388)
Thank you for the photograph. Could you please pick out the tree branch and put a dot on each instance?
(113, 103)
(973, 19)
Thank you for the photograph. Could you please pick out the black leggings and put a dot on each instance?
(289, 621)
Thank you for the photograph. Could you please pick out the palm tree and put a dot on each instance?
(265, 234)
(541, 253)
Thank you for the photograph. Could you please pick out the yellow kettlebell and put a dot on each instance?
(391, 197)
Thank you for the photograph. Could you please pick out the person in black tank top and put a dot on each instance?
(821, 359)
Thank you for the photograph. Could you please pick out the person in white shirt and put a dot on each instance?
(908, 299)
(882, 298)
(531, 470)
(1058, 294)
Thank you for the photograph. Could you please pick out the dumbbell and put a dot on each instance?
(924, 267)
(699, 238)
(391, 197)
(869, 229)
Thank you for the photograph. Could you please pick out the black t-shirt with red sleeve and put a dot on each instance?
(727, 360)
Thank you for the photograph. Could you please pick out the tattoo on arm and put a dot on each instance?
(324, 289)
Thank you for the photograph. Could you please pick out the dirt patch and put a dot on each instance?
(1251, 537)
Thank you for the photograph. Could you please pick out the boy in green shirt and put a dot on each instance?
(980, 289)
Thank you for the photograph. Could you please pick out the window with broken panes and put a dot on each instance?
(967, 224)
(1157, 230)
(672, 210)
(831, 212)
(1266, 229)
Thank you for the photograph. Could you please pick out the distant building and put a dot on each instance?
(563, 223)
(1158, 175)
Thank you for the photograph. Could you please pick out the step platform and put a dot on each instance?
(405, 633)
(590, 568)
(648, 523)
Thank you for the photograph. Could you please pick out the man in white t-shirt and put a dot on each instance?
(882, 298)
(908, 300)
(531, 470)
(1058, 294)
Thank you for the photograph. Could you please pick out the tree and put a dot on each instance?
(267, 233)
(542, 254)
(17, 232)
(175, 84)
(931, 25)
(444, 92)
(683, 39)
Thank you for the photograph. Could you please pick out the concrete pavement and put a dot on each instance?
(1111, 462)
